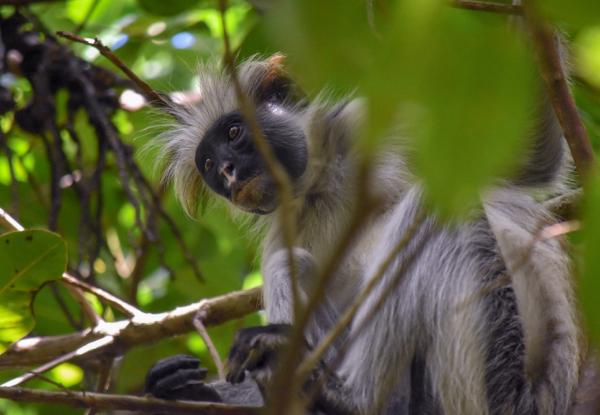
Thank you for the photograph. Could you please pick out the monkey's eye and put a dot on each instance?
(208, 165)
(234, 132)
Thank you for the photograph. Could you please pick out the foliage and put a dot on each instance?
(460, 80)
(29, 259)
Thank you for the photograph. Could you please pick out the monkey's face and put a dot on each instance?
(231, 165)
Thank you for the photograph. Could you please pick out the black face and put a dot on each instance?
(231, 165)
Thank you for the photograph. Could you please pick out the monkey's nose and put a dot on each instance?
(227, 171)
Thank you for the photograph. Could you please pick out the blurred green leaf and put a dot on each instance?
(328, 42)
(166, 8)
(574, 12)
(589, 283)
(28, 260)
(462, 92)
(67, 374)
(586, 50)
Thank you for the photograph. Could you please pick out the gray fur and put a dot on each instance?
(245, 393)
(440, 344)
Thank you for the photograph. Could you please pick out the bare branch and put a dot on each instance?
(151, 95)
(102, 401)
(8, 222)
(105, 374)
(139, 330)
(103, 295)
(201, 329)
(81, 352)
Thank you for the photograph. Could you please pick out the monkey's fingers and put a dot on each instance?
(184, 384)
(169, 366)
(240, 362)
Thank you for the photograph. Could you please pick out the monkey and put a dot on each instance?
(473, 327)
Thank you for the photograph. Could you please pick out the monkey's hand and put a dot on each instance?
(255, 349)
(180, 377)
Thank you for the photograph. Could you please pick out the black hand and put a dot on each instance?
(180, 377)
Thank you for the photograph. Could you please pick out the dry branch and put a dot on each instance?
(83, 351)
(150, 94)
(103, 401)
(144, 329)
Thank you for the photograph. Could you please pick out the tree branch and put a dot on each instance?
(83, 351)
(210, 345)
(144, 329)
(149, 93)
(105, 402)
(105, 296)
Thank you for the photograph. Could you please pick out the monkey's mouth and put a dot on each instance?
(254, 195)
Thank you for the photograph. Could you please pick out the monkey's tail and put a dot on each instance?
(545, 161)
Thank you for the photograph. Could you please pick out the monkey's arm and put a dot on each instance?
(255, 349)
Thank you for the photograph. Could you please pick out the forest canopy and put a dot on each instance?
(76, 171)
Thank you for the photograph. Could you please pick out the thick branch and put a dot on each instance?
(144, 329)
(104, 402)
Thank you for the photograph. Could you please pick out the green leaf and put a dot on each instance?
(589, 284)
(464, 104)
(574, 12)
(28, 259)
(166, 8)
(586, 51)
(329, 42)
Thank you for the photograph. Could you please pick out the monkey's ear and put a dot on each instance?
(277, 85)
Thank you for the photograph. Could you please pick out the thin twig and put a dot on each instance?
(104, 296)
(87, 16)
(104, 379)
(274, 167)
(283, 383)
(149, 93)
(83, 302)
(81, 352)
(8, 222)
(201, 329)
(77, 325)
(487, 7)
(110, 402)
(343, 322)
